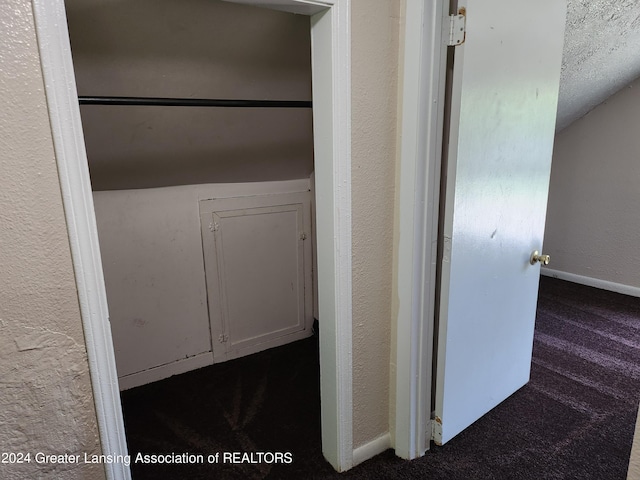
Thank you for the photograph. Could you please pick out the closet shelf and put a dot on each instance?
(193, 102)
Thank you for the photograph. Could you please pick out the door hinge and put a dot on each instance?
(457, 29)
(223, 338)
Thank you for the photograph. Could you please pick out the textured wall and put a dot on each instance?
(46, 402)
(194, 49)
(592, 216)
(374, 81)
(602, 40)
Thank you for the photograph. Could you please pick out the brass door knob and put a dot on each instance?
(537, 257)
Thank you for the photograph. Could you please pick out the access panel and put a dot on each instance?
(257, 253)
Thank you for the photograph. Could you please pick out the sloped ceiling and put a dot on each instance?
(601, 54)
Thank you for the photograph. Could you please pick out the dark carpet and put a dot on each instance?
(573, 420)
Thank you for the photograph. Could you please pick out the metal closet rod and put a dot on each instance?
(193, 102)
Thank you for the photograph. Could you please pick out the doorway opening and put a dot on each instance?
(203, 213)
(331, 92)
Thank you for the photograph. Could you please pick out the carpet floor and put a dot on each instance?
(573, 420)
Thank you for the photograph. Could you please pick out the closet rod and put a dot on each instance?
(193, 102)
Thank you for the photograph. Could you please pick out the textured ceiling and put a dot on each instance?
(601, 54)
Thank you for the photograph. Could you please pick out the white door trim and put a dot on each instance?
(331, 65)
(422, 100)
(331, 54)
(73, 170)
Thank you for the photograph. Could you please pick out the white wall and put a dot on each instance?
(593, 224)
(151, 246)
(46, 401)
(194, 49)
(152, 260)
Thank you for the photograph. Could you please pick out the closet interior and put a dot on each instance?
(198, 129)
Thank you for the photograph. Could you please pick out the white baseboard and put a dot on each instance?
(371, 449)
(165, 371)
(592, 282)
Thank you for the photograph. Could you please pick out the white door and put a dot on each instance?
(503, 111)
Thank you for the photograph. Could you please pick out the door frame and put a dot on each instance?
(422, 106)
(331, 75)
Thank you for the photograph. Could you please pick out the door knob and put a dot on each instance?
(536, 257)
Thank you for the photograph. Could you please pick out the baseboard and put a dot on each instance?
(592, 282)
(371, 449)
(165, 371)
